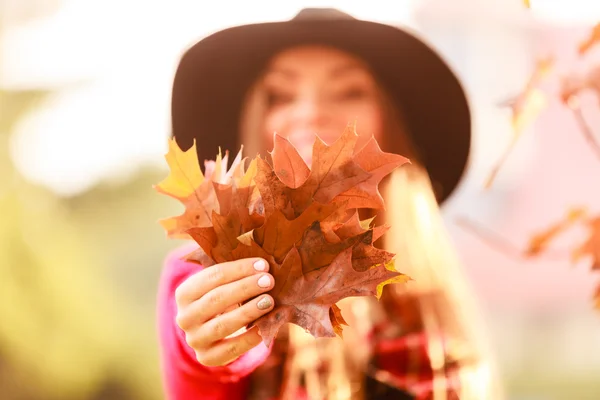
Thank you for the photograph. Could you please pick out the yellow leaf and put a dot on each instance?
(185, 174)
(246, 238)
(248, 177)
(366, 224)
(398, 279)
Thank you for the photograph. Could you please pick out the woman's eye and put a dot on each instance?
(352, 94)
(278, 98)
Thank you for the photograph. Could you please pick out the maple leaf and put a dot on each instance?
(305, 299)
(187, 184)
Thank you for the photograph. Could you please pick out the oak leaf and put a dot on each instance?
(303, 221)
(305, 299)
(370, 158)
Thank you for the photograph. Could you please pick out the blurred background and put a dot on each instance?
(84, 117)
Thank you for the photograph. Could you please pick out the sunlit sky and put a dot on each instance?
(113, 63)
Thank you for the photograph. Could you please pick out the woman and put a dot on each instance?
(311, 75)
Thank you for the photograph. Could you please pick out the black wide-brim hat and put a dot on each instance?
(214, 76)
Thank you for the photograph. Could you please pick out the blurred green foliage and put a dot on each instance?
(78, 279)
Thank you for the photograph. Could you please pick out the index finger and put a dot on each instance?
(212, 277)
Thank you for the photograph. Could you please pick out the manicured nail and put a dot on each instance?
(264, 281)
(260, 265)
(264, 303)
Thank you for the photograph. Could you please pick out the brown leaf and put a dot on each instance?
(365, 256)
(287, 163)
(316, 252)
(278, 234)
(305, 299)
(206, 237)
(274, 194)
(379, 164)
(253, 250)
(221, 239)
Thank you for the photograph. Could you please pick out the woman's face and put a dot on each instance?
(314, 90)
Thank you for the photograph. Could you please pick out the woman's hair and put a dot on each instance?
(437, 301)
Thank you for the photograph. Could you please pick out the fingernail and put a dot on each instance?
(264, 303)
(260, 265)
(264, 281)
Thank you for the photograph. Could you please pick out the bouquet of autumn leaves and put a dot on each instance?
(303, 221)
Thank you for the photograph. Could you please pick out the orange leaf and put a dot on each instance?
(287, 163)
(337, 320)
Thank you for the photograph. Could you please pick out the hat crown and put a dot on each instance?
(327, 14)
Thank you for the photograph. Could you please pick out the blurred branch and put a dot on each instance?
(525, 108)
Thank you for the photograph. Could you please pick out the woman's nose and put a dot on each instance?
(311, 112)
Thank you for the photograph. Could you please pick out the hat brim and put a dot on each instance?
(215, 74)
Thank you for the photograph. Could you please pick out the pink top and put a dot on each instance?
(183, 376)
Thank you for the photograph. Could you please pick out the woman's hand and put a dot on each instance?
(207, 312)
